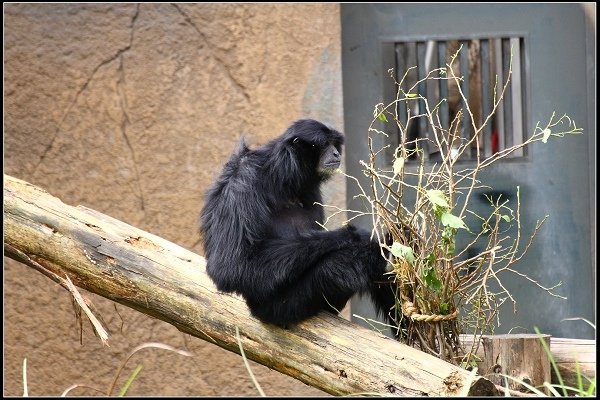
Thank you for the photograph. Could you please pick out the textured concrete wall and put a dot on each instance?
(131, 110)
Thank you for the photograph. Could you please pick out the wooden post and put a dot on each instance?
(521, 356)
(569, 354)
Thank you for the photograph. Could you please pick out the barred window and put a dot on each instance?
(484, 63)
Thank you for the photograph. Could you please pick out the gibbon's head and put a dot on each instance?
(316, 145)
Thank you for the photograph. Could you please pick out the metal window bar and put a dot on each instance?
(465, 131)
(443, 86)
(517, 98)
(486, 100)
(484, 63)
(422, 91)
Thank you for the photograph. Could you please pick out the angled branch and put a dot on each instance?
(157, 277)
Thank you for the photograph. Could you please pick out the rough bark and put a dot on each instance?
(152, 275)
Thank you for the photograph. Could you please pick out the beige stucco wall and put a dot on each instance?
(132, 110)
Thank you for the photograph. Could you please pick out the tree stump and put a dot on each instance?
(521, 356)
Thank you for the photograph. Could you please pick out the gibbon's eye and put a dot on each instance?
(295, 140)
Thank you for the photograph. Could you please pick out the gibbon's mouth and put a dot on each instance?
(333, 164)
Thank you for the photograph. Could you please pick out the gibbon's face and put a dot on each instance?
(317, 146)
(325, 157)
(329, 161)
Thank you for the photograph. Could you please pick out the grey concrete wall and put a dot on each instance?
(132, 110)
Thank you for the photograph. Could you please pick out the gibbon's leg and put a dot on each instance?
(324, 284)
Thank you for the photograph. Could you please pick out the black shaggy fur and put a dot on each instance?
(261, 238)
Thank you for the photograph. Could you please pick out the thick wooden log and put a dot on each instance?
(150, 274)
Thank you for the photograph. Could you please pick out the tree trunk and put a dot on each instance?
(152, 275)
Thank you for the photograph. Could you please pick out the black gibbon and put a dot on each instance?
(261, 232)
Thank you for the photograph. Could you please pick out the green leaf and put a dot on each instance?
(404, 252)
(431, 259)
(506, 218)
(438, 211)
(546, 133)
(448, 239)
(451, 248)
(437, 197)
(398, 165)
(444, 308)
(382, 117)
(448, 234)
(452, 221)
(411, 95)
(431, 280)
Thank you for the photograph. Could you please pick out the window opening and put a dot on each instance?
(484, 63)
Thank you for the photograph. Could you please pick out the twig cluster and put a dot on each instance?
(443, 290)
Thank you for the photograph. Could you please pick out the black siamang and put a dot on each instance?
(261, 232)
